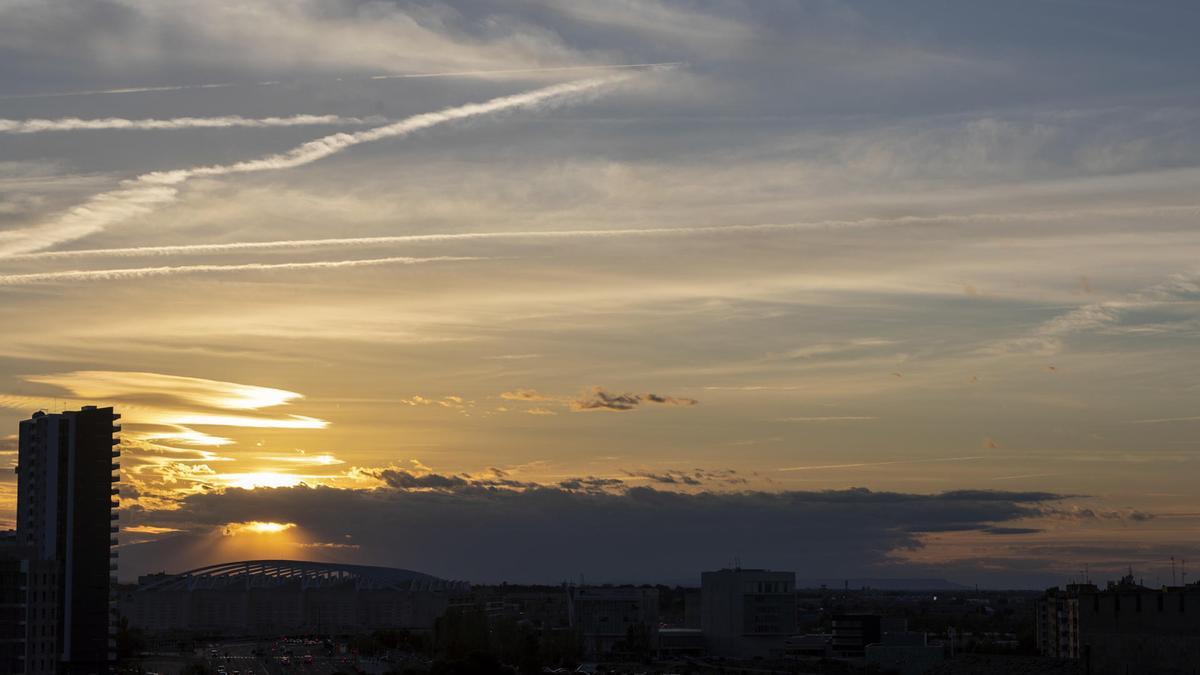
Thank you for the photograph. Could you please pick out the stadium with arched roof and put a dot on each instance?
(308, 574)
(280, 597)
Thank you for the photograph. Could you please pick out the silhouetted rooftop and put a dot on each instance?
(307, 574)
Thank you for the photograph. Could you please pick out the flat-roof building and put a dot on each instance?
(747, 613)
(607, 617)
(67, 523)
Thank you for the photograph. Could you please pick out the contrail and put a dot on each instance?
(124, 90)
(142, 272)
(351, 242)
(521, 71)
(396, 76)
(148, 191)
(33, 126)
(819, 467)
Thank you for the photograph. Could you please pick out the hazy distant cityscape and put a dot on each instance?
(64, 610)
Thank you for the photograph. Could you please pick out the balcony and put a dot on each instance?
(113, 542)
(114, 504)
(114, 516)
(116, 466)
(113, 479)
(114, 491)
(114, 529)
(116, 428)
(116, 453)
(114, 554)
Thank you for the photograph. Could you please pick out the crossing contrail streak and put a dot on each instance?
(856, 465)
(712, 230)
(522, 71)
(33, 126)
(124, 90)
(142, 272)
(389, 76)
(143, 194)
(351, 242)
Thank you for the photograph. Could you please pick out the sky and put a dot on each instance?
(527, 290)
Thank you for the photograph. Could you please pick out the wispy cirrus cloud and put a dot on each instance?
(265, 38)
(150, 191)
(1047, 338)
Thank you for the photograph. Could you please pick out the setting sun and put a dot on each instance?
(257, 527)
(260, 479)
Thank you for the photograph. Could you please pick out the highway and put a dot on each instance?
(240, 659)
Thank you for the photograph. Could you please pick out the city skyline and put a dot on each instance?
(834, 288)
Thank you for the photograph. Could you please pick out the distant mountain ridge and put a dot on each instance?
(898, 584)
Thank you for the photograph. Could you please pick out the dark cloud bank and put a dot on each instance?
(483, 530)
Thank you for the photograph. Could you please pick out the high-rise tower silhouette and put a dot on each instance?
(66, 517)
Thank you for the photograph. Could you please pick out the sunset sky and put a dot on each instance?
(534, 288)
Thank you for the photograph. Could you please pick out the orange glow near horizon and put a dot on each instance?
(257, 527)
(260, 479)
(250, 540)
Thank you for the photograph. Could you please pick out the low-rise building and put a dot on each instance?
(903, 652)
(1128, 628)
(680, 642)
(610, 617)
(818, 645)
(747, 613)
(853, 632)
(1058, 621)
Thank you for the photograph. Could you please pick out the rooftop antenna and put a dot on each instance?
(1183, 571)
(1172, 570)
